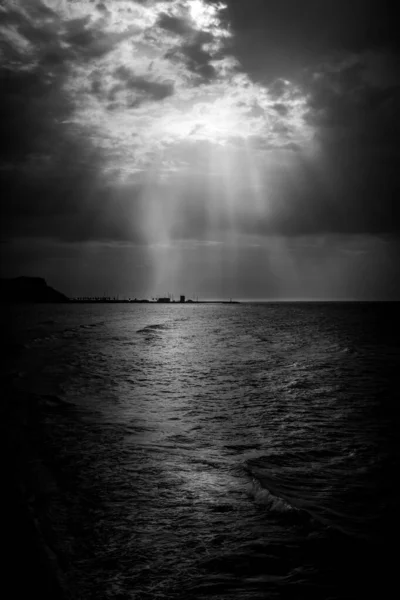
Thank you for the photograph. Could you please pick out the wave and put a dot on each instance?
(299, 459)
(264, 497)
(152, 333)
(45, 334)
(90, 325)
(153, 328)
(310, 493)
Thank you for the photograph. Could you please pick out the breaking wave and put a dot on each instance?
(263, 496)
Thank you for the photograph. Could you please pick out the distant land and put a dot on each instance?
(31, 290)
(34, 290)
(158, 300)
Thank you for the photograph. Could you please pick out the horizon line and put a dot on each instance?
(198, 300)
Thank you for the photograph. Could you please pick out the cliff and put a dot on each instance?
(29, 290)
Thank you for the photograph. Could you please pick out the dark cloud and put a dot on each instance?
(342, 97)
(277, 38)
(195, 57)
(357, 131)
(51, 174)
(55, 41)
(350, 197)
(280, 108)
(342, 55)
(176, 25)
(198, 60)
(101, 7)
(277, 88)
(344, 190)
(345, 58)
(42, 32)
(91, 42)
(69, 200)
(151, 90)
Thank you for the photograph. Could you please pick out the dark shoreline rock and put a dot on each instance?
(29, 290)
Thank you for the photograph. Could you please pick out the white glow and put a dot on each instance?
(205, 16)
(174, 114)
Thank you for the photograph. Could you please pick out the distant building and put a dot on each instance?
(164, 300)
(182, 299)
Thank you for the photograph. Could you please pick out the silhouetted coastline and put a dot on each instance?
(29, 290)
(130, 301)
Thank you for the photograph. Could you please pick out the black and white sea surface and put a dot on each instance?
(231, 451)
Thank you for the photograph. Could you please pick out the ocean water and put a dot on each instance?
(230, 451)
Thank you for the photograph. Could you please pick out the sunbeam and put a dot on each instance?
(160, 130)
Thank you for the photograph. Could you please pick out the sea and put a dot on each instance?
(233, 451)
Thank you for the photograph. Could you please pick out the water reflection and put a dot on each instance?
(221, 449)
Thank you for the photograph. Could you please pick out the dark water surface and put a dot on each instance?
(239, 451)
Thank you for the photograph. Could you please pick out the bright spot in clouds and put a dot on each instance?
(205, 16)
(168, 79)
(132, 125)
(173, 111)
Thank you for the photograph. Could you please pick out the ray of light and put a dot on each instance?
(201, 152)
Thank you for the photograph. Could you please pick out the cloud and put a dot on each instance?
(133, 121)
(180, 26)
(353, 110)
(170, 61)
(196, 59)
(144, 89)
(174, 77)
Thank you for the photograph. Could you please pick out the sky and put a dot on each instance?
(237, 149)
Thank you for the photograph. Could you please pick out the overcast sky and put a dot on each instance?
(246, 149)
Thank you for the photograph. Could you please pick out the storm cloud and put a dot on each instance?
(146, 123)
